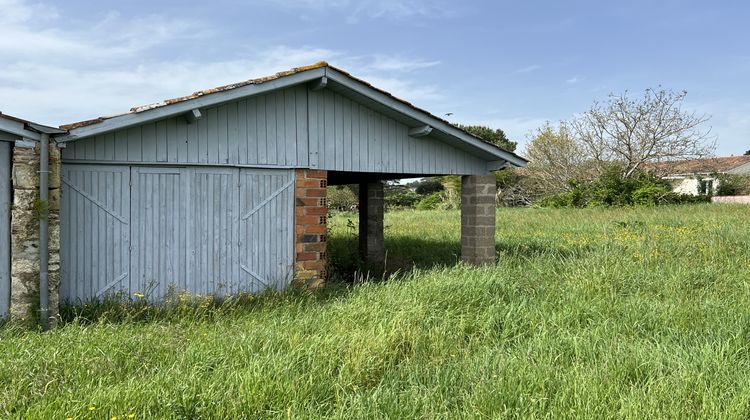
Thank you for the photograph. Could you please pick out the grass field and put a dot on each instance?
(637, 313)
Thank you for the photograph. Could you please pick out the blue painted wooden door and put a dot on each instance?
(204, 230)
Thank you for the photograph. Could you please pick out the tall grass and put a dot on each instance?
(636, 313)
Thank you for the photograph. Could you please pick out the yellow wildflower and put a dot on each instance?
(139, 295)
(92, 407)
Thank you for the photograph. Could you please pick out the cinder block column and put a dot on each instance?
(478, 219)
(310, 219)
(24, 264)
(371, 237)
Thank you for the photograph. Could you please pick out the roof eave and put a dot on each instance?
(422, 116)
(178, 108)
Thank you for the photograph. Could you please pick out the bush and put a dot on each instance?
(613, 189)
(399, 196)
(429, 186)
(341, 197)
(430, 202)
(733, 185)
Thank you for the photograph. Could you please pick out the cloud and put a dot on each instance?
(573, 80)
(69, 72)
(356, 10)
(528, 69)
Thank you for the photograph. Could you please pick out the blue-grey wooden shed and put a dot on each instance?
(198, 193)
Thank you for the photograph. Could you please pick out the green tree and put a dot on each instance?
(494, 136)
(747, 153)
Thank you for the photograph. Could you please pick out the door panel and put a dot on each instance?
(213, 236)
(157, 258)
(94, 231)
(266, 229)
(204, 230)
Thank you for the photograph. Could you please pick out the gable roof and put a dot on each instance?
(18, 127)
(321, 71)
(707, 165)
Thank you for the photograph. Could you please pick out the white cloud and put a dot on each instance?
(528, 69)
(355, 10)
(68, 72)
(573, 80)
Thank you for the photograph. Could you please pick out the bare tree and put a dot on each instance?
(633, 132)
(554, 158)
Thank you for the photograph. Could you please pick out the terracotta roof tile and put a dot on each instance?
(707, 165)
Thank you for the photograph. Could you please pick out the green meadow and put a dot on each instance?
(592, 313)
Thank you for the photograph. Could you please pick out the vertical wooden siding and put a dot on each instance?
(5, 203)
(348, 136)
(94, 230)
(269, 129)
(204, 230)
(292, 127)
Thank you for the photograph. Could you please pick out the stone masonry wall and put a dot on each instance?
(25, 213)
(310, 218)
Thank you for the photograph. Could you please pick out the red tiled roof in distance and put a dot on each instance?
(706, 165)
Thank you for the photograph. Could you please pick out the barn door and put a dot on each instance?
(266, 229)
(94, 230)
(158, 235)
(5, 202)
(212, 235)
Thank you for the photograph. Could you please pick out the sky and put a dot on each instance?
(507, 64)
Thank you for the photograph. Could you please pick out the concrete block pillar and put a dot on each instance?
(371, 237)
(478, 219)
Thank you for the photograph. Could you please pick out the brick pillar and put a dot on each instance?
(24, 276)
(478, 219)
(371, 237)
(310, 215)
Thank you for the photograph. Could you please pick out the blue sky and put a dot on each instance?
(511, 65)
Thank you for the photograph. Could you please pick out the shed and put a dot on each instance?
(224, 190)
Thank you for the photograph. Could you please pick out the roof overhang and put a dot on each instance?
(13, 128)
(323, 77)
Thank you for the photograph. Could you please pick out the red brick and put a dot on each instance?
(300, 211)
(307, 256)
(306, 202)
(313, 247)
(315, 192)
(315, 229)
(317, 211)
(313, 173)
(307, 183)
(308, 220)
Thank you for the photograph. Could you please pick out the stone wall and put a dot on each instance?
(310, 220)
(25, 215)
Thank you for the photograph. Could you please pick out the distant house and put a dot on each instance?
(700, 176)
